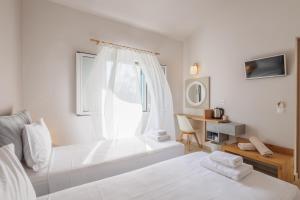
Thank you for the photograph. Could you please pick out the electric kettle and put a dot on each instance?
(218, 113)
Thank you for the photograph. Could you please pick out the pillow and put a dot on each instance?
(36, 145)
(14, 182)
(11, 130)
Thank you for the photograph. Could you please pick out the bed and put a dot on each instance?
(78, 164)
(180, 178)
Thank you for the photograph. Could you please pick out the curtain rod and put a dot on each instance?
(119, 45)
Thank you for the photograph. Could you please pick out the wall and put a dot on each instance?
(226, 39)
(10, 56)
(51, 35)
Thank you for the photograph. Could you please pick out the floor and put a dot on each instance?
(192, 148)
(297, 183)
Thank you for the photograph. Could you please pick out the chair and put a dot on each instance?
(186, 128)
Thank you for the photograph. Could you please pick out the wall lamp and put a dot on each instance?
(195, 69)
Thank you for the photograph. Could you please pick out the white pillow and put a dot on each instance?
(14, 182)
(36, 145)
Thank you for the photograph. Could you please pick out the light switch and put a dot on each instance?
(222, 102)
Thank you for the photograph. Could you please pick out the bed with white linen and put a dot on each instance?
(83, 163)
(181, 178)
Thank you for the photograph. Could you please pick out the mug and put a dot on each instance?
(225, 117)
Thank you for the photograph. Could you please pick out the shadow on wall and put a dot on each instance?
(250, 131)
(6, 111)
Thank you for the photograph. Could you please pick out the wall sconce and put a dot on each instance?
(280, 107)
(195, 69)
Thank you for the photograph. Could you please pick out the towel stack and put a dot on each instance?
(226, 164)
(159, 136)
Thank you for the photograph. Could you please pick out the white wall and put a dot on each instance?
(248, 30)
(10, 56)
(51, 36)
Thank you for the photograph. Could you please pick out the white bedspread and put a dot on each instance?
(180, 178)
(78, 164)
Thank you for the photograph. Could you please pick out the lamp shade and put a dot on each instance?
(194, 69)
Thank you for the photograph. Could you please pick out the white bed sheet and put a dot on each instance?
(180, 178)
(78, 164)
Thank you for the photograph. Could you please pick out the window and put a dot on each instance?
(84, 64)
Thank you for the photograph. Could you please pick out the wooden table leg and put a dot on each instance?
(195, 135)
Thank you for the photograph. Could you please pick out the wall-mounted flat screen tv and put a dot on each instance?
(266, 67)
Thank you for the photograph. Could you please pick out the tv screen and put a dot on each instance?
(266, 67)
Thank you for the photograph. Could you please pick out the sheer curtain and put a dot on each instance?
(161, 111)
(115, 94)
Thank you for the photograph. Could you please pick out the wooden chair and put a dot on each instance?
(186, 128)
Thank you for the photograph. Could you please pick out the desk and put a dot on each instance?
(201, 118)
(204, 120)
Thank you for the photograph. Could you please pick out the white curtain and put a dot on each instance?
(161, 114)
(115, 97)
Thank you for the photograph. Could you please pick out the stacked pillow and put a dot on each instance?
(36, 145)
(11, 128)
(32, 141)
(14, 182)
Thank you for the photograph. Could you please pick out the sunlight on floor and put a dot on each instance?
(91, 155)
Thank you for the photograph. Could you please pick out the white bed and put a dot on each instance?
(181, 178)
(78, 164)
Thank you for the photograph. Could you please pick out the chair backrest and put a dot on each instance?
(184, 124)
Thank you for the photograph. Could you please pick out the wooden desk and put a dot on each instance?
(201, 118)
(282, 161)
(205, 121)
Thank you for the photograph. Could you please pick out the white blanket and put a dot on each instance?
(78, 164)
(237, 173)
(180, 178)
(227, 159)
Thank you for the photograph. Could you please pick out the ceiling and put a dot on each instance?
(177, 19)
(174, 18)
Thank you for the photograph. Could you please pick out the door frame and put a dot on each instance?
(297, 153)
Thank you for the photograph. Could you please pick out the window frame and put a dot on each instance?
(79, 91)
(144, 91)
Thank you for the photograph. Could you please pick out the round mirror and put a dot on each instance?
(195, 93)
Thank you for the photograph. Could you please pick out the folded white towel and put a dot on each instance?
(159, 138)
(230, 160)
(233, 173)
(246, 146)
(261, 148)
(161, 132)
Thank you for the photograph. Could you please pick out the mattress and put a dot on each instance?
(181, 178)
(83, 163)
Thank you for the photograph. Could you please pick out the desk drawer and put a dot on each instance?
(212, 127)
(231, 128)
(262, 167)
